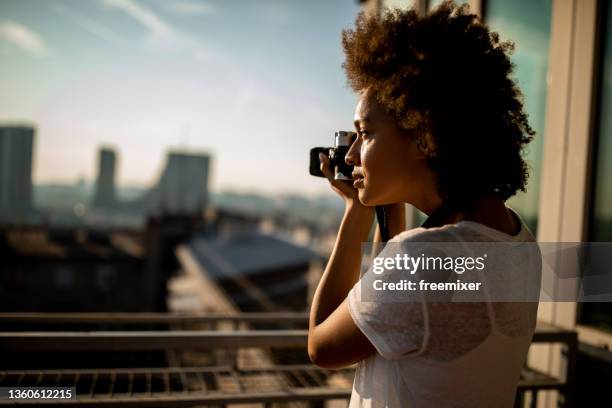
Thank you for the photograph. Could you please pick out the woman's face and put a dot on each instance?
(389, 167)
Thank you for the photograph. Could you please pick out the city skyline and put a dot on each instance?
(254, 84)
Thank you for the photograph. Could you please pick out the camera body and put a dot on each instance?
(342, 142)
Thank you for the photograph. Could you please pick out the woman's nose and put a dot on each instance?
(352, 156)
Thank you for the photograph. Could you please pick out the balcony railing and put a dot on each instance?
(191, 386)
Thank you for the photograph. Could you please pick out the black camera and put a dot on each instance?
(342, 143)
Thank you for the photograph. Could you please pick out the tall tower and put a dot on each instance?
(105, 195)
(16, 145)
(183, 185)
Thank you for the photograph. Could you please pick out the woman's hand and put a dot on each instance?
(343, 188)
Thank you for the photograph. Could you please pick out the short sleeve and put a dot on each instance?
(395, 327)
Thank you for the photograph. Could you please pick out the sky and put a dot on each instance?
(254, 83)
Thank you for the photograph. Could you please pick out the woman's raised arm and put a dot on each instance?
(333, 338)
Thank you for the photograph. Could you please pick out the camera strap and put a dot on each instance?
(435, 219)
(381, 217)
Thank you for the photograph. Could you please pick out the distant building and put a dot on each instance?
(258, 272)
(16, 145)
(183, 185)
(105, 195)
(74, 270)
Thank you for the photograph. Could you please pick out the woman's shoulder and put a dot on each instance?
(465, 230)
(446, 233)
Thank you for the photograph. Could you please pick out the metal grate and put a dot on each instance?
(189, 386)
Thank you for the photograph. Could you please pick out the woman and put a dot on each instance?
(441, 126)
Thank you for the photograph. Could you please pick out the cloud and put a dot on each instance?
(161, 33)
(24, 38)
(186, 8)
(93, 27)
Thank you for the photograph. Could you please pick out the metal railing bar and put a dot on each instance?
(186, 383)
(148, 383)
(183, 380)
(113, 377)
(94, 380)
(123, 370)
(152, 340)
(130, 389)
(248, 317)
(319, 377)
(38, 379)
(155, 340)
(166, 382)
(202, 382)
(217, 383)
(534, 399)
(285, 384)
(21, 376)
(289, 367)
(300, 378)
(236, 378)
(544, 331)
(57, 379)
(313, 379)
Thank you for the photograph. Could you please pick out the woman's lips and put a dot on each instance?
(358, 182)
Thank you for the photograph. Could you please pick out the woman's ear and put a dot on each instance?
(419, 123)
(426, 144)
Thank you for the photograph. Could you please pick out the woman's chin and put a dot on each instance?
(366, 199)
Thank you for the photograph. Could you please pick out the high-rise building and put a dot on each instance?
(105, 195)
(183, 185)
(16, 146)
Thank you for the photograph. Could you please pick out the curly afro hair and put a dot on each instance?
(446, 77)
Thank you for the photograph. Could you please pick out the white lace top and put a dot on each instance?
(439, 355)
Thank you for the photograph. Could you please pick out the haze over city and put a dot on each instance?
(255, 84)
